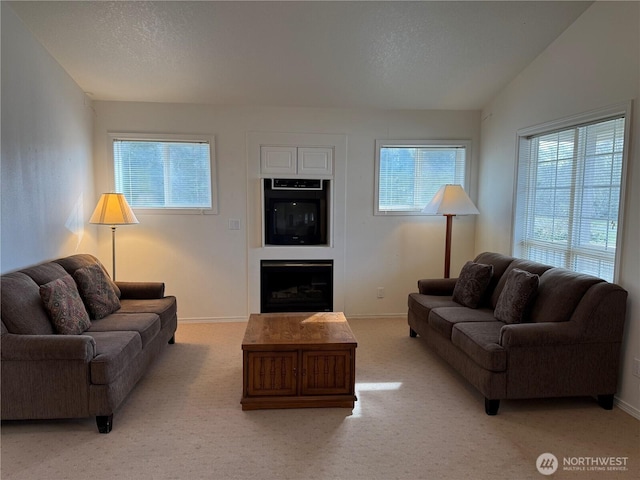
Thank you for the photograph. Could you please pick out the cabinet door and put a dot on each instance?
(278, 160)
(315, 161)
(272, 373)
(327, 372)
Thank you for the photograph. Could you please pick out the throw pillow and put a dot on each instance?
(96, 289)
(472, 282)
(64, 306)
(518, 291)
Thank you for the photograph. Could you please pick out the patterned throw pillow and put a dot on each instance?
(472, 282)
(97, 291)
(64, 306)
(518, 290)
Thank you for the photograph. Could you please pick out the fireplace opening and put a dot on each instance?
(296, 286)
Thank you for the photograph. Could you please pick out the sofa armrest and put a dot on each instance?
(437, 286)
(540, 334)
(141, 290)
(17, 347)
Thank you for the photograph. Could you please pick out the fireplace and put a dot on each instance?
(296, 286)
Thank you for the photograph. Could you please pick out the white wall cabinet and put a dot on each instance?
(304, 161)
(278, 160)
(315, 161)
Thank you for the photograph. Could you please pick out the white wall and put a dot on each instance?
(211, 268)
(47, 165)
(593, 64)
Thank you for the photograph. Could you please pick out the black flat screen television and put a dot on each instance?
(295, 216)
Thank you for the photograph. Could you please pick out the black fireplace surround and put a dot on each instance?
(296, 286)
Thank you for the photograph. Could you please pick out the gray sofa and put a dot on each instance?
(565, 343)
(48, 375)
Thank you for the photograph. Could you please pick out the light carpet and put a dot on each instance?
(415, 418)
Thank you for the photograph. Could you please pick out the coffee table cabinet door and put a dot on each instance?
(327, 372)
(272, 373)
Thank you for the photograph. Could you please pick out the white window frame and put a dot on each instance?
(170, 137)
(594, 116)
(466, 144)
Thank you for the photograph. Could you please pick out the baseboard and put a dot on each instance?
(376, 315)
(244, 319)
(185, 320)
(625, 407)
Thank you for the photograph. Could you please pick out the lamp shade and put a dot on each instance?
(451, 200)
(113, 209)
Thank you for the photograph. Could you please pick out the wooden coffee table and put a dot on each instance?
(293, 360)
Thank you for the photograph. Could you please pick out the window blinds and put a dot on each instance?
(409, 176)
(163, 174)
(568, 197)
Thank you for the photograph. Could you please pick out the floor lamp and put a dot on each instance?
(113, 209)
(450, 200)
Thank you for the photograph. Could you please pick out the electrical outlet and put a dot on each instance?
(380, 293)
(234, 224)
(636, 367)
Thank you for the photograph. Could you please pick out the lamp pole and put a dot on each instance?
(447, 246)
(113, 251)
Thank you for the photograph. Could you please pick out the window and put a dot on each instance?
(168, 173)
(569, 192)
(409, 173)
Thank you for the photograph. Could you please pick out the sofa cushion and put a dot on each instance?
(500, 263)
(472, 283)
(479, 340)
(442, 320)
(146, 324)
(22, 308)
(559, 293)
(45, 272)
(96, 290)
(165, 308)
(516, 295)
(115, 352)
(521, 264)
(81, 260)
(423, 304)
(64, 305)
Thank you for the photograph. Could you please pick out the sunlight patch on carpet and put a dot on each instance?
(364, 387)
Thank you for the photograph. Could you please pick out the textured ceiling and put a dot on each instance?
(416, 55)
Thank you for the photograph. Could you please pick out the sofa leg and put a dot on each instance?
(491, 406)
(172, 340)
(105, 423)
(606, 401)
(412, 333)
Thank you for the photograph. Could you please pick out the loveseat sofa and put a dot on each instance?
(558, 333)
(74, 343)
